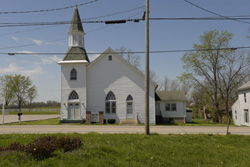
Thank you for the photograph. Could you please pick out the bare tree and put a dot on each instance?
(233, 74)
(204, 64)
(129, 56)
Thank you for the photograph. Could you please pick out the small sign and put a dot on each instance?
(94, 117)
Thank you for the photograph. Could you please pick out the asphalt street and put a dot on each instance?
(9, 129)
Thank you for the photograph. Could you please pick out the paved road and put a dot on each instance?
(7, 129)
(14, 118)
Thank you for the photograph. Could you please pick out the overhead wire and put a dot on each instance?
(33, 44)
(136, 52)
(215, 13)
(111, 14)
(48, 10)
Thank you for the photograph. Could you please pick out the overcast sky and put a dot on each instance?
(164, 35)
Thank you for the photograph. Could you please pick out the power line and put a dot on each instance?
(47, 10)
(112, 14)
(123, 21)
(61, 22)
(215, 13)
(197, 18)
(136, 52)
(33, 44)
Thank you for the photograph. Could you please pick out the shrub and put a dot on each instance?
(111, 121)
(15, 147)
(67, 143)
(42, 147)
(104, 121)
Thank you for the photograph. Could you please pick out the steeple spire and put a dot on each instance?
(76, 24)
(76, 50)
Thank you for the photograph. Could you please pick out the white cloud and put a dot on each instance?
(13, 68)
(15, 38)
(38, 42)
(25, 51)
(50, 60)
(37, 70)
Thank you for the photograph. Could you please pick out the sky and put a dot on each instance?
(164, 35)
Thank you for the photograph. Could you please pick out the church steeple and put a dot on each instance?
(76, 25)
(76, 50)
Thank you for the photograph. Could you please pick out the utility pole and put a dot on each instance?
(147, 132)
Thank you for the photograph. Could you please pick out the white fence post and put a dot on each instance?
(3, 112)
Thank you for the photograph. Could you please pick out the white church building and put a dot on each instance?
(109, 84)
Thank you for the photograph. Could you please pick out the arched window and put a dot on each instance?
(129, 104)
(73, 74)
(73, 95)
(110, 105)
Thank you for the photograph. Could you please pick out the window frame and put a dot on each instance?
(110, 103)
(246, 113)
(129, 101)
(171, 107)
(73, 75)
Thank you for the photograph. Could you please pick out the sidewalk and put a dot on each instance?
(14, 118)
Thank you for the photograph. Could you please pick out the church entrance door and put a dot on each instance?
(74, 111)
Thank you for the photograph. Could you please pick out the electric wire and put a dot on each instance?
(47, 10)
(136, 52)
(112, 14)
(215, 13)
(33, 44)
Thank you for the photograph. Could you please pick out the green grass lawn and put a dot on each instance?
(37, 113)
(53, 121)
(139, 150)
(196, 122)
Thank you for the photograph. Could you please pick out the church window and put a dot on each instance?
(110, 105)
(73, 95)
(129, 104)
(73, 74)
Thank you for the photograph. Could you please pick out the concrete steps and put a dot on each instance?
(128, 122)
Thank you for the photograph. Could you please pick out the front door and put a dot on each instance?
(74, 111)
(130, 113)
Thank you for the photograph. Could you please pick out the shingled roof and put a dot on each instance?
(170, 96)
(76, 24)
(245, 86)
(76, 53)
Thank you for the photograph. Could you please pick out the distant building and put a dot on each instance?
(109, 84)
(240, 109)
(171, 106)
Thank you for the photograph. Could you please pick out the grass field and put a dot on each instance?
(139, 150)
(37, 113)
(55, 121)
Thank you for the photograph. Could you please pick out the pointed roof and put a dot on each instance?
(76, 24)
(245, 86)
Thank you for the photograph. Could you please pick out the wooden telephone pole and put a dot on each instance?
(147, 132)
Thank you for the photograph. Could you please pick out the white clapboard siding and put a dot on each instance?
(68, 86)
(122, 79)
(179, 113)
